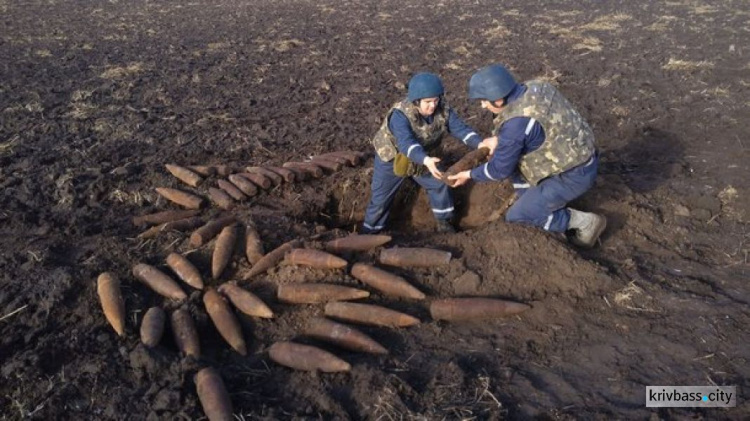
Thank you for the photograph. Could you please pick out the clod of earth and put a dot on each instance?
(343, 336)
(466, 309)
(386, 282)
(306, 358)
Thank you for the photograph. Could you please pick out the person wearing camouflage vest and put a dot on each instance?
(406, 144)
(545, 146)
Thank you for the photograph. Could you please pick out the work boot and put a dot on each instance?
(365, 230)
(445, 227)
(588, 227)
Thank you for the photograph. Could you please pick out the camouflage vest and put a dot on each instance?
(569, 140)
(428, 135)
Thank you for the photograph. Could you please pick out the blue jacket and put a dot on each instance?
(407, 143)
(516, 139)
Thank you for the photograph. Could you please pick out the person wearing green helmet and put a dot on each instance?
(406, 145)
(545, 146)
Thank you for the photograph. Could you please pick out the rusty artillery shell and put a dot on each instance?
(306, 358)
(414, 257)
(152, 326)
(353, 157)
(299, 173)
(285, 173)
(469, 161)
(343, 336)
(369, 314)
(224, 320)
(271, 259)
(314, 170)
(213, 395)
(184, 199)
(275, 178)
(318, 293)
(224, 170)
(314, 258)
(259, 180)
(158, 281)
(204, 170)
(185, 270)
(223, 250)
(231, 190)
(221, 198)
(210, 230)
(163, 217)
(253, 245)
(245, 301)
(245, 185)
(357, 242)
(327, 164)
(108, 289)
(386, 282)
(179, 225)
(332, 157)
(185, 175)
(185, 333)
(462, 309)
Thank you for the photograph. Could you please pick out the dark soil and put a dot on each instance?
(95, 97)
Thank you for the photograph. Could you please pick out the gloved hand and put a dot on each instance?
(460, 178)
(489, 143)
(431, 163)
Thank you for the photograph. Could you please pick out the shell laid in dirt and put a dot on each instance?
(113, 305)
(314, 258)
(185, 333)
(386, 282)
(223, 250)
(184, 199)
(306, 358)
(159, 281)
(185, 270)
(318, 293)
(245, 301)
(152, 326)
(224, 320)
(213, 395)
(343, 336)
(369, 314)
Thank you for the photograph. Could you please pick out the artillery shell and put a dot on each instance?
(213, 395)
(245, 185)
(275, 178)
(231, 190)
(204, 170)
(224, 170)
(162, 217)
(327, 164)
(469, 161)
(223, 250)
(306, 358)
(353, 157)
(210, 230)
(299, 173)
(318, 293)
(152, 326)
(259, 180)
(221, 198)
(314, 258)
(271, 259)
(357, 242)
(332, 157)
(184, 199)
(245, 301)
(158, 281)
(179, 225)
(462, 309)
(284, 173)
(108, 289)
(386, 282)
(185, 334)
(369, 314)
(414, 257)
(253, 245)
(314, 170)
(185, 270)
(224, 320)
(185, 175)
(343, 336)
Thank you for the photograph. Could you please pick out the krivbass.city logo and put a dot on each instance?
(691, 396)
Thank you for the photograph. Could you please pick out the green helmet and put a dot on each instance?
(492, 83)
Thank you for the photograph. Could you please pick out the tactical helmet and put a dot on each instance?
(492, 83)
(424, 85)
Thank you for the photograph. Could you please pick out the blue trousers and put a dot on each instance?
(544, 205)
(384, 186)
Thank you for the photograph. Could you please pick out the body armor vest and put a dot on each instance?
(569, 141)
(428, 135)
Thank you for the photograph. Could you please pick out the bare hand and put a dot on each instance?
(489, 143)
(431, 164)
(459, 179)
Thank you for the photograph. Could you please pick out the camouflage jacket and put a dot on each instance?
(569, 141)
(428, 135)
